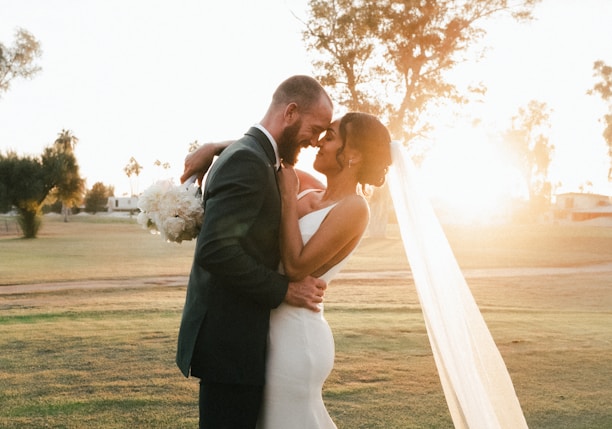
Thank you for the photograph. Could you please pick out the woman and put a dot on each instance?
(320, 229)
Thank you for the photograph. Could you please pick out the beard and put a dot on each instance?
(288, 144)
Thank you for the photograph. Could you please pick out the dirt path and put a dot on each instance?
(128, 283)
(178, 281)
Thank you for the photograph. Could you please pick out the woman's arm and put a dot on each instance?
(199, 161)
(337, 236)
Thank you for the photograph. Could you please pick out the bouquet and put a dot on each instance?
(174, 212)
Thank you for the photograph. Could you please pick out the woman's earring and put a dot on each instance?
(350, 162)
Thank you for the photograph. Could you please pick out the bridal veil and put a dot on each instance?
(474, 377)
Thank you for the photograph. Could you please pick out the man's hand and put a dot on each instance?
(306, 293)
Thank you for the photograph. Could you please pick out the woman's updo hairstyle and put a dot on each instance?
(365, 133)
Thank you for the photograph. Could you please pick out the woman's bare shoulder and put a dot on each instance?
(354, 207)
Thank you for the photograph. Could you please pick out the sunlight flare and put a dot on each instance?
(469, 176)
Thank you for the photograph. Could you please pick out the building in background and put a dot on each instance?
(122, 204)
(576, 206)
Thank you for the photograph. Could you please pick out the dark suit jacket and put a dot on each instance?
(233, 283)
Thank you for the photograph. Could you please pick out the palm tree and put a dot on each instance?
(66, 141)
(70, 191)
(133, 167)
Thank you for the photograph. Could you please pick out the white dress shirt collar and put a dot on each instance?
(274, 144)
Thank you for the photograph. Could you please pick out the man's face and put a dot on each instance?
(305, 131)
(288, 143)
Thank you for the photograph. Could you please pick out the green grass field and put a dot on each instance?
(100, 353)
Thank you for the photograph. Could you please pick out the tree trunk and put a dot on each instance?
(29, 221)
(65, 211)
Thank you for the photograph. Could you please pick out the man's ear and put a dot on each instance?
(291, 113)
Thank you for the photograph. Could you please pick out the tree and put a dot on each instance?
(391, 57)
(26, 182)
(96, 198)
(23, 187)
(163, 165)
(132, 168)
(604, 88)
(193, 146)
(532, 151)
(18, 60)
(70, 189)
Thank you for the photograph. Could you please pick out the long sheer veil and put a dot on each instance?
(476, 383)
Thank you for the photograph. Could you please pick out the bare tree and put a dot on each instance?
(18, 60)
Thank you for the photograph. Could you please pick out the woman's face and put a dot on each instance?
(327, 159)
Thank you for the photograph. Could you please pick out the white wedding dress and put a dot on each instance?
(300, 358)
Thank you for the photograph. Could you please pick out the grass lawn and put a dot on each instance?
(104, 357)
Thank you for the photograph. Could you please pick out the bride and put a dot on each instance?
(319, 230)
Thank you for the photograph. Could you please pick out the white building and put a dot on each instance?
(582, 206)
(122, 204)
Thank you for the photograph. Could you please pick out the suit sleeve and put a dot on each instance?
(235, 198)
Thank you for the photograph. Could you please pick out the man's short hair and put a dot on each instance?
(305, 91)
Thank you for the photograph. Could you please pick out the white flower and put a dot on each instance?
(175, 212)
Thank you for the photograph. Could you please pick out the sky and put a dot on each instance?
(147, 78)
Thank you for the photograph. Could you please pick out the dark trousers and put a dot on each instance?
(229, 406)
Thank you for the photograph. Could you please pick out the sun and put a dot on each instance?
(468, 177)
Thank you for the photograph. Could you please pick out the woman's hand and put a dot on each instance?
(199, 161)
(288, 182)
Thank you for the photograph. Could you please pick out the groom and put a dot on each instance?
(233, 283)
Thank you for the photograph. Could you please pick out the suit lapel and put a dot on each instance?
(264, 142)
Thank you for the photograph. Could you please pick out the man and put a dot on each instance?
(233, 283)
